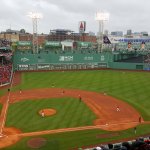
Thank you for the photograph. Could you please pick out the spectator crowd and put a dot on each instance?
(138, 144)
(5, 43)
(5, 73)
(5, 61)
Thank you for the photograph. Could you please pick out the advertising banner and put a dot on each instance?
(43, 67)
(82, 26)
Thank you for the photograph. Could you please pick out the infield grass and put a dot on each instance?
(70, 113)
(131, 87)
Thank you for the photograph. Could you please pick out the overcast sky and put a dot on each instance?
(66, 14)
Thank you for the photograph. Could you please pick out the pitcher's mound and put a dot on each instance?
(47, 112)
(36, 142)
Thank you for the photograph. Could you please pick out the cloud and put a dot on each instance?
(124, 14)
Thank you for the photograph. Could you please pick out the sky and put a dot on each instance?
(66, 14)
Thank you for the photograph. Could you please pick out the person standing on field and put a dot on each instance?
(134, 130)
(80, 98)
(140, 119)
(117, 109)
(63, 92)
(42, 113)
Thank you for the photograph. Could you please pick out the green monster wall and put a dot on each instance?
(51, 60)
(46, 60)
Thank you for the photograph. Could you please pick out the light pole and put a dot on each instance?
(101, 17)
(35, 17)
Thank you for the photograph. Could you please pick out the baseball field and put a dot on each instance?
(85, 108)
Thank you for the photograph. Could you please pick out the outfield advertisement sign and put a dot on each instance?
(65, 58)
(33, 67)
(24, 59)
(53, 44)
(27, 67)
(102, 58)
(24, 43)
(102, 65)
(23, 67)
(88, 58)
(68, 66)
(84, 44)
(43, 66)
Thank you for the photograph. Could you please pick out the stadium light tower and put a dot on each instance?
(101, 17)
(35, 17)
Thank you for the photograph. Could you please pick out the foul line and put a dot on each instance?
(5, 105)
(71, 129)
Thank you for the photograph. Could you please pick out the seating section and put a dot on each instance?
(138, 144)
(133, 46)
(5, 73)
(5, 43)
(5, 61)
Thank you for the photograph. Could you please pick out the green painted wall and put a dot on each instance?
(47, 60)
(22, 59)
(124, 65)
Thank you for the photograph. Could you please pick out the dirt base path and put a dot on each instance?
(104, 106)
(17, 78)
(9, 137)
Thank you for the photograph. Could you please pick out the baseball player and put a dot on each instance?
(42, 113)
(63, 92)
(140, 119)
(117, 108)
(80, 98)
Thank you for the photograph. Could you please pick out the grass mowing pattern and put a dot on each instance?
(70, 140)
(132, 87)
(70, 113)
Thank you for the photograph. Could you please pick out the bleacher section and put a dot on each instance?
(5, 62)
(138, 144)
(133, 46)
(5, 74)
(5, 43)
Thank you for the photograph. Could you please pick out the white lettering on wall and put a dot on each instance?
(65, 58)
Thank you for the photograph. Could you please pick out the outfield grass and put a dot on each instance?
(131, 87)
(70, 113)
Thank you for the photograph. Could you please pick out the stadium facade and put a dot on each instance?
(62, 51)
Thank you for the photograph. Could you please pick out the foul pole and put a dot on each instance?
(5, 108)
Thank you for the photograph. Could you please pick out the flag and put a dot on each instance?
(143, 45)
(106, 40)
(129, 44)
